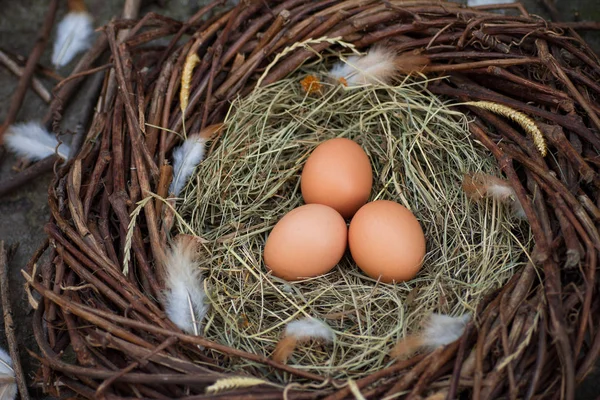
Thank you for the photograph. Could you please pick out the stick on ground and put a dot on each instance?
(36, 85)
(32, 60)
(8, 324)
(28, 174)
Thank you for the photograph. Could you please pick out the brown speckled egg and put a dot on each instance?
(308, 241)
(387, 241)
(337, 174)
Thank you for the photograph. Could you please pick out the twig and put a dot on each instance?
(13, 346)
(556, 69)
(458, 362)
(36, 85)
(65, 90)
(42, 69)
(36, 53)
(131, 9)
(364, 382)
(26, 175)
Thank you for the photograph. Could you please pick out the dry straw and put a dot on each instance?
(419, 148)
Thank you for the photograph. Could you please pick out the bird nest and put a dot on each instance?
(99, 320)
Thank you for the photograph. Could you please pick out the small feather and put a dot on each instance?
(479, 186)
(301, 331)
(184, 285)
(284, 348)
(32, 141)
(439, 330)
(8, 387)
(185, 159)
(309, 328)
(518, 210)
(442, 329)
(475, 3)
(76, 5)
(408, 64)
(379, 65)
(74, 34)
(211, 131)
(407, 346)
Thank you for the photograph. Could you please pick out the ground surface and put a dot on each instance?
(23, 213)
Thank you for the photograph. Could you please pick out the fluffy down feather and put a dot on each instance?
(185, 159)
(301, 331)
(441, 329)
(309, 328)
(8, 388)
(475, 3)
(185, 300)
(438, 330)
(479, 186)
(379, 65)
(32, 141)
(74, 34)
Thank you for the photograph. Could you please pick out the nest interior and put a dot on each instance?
(103, 333)
(419, 148)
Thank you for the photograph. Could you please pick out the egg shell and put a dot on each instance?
(307, 242)
(337, 174)
(386, 241)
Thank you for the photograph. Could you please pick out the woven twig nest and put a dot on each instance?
(103, 333)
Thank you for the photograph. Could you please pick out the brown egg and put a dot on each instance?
(386, 241)
(337, 174)
(308, 241)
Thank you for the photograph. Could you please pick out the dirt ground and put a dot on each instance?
(24, 212)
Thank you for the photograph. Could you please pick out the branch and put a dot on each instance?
(28, 174)
(32, 60)
(13, 346)
(16, 69)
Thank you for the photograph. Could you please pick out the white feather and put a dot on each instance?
(309, 328)
(441, 330)
(478, 186)
(185, 300)
(507, 195)
(74, 34)
(475, 3)
(8, 391)
(501, 192)
(518, 210)
(185, 159)
(32, 141)
(377, 66)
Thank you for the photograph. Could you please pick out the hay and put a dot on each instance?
(419, 149)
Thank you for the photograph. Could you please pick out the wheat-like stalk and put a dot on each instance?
(527, 123)
(234, 383)
(186, 77)
(129, 236)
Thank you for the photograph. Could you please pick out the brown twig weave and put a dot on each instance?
(103, 334)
